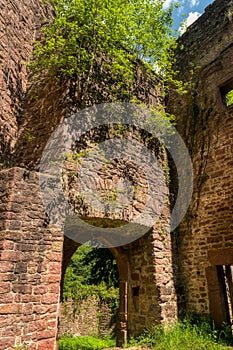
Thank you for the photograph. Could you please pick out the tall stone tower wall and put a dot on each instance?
(205, 237)
(19, 25)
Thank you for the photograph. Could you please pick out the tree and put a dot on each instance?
(102, 267)
(90, 270)
(108, 35)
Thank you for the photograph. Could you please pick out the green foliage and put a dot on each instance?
(21, 347)
(102, 267)
(88, 267)
(92, 271)
(229, 98)
(85, 343)
(184, 335)
(108, 36)
(75, 286)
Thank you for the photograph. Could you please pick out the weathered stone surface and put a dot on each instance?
(25, 290)
(91, 317)
(156, 269)
(19, 23)
(206, 124)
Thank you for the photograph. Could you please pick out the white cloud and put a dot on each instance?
(167, 3)
(192, 17)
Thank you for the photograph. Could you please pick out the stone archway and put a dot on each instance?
(70, 247)
(33, 249)
(31, 246)
(147, 293)
(145, 262)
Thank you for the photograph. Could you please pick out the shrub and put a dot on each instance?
(186, 335)
(85, 343)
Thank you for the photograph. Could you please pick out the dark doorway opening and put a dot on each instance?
(220, 285)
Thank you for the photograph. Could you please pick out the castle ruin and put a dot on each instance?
(162, 276)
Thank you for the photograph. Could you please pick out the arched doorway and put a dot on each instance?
(120, 327)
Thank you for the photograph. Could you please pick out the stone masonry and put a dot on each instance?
(31, 256)
(19, 24)
(161, 274)
(205, 237)
(34, 254)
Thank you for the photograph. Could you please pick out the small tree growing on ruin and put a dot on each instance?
(87, 37)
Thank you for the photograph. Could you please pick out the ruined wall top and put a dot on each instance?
(202, 43)
(209, 36)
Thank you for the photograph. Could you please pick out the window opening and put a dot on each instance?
(226, 91)
(135, 291)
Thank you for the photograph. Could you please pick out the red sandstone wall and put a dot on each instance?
(30, 265)
(151, 267)
(31, 250)
(19, 22)
(207, 126)
(207, 37)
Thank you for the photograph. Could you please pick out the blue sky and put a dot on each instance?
(192, 9)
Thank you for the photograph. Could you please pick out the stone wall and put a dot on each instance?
(206, 124)
(31, 249)
(86, 317)
(151, 292)
(48, 102)
(31, 262)
(147, 292)
(19, 23)
(30, 265)
(207, 37)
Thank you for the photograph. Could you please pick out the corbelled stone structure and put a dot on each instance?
(161, 275)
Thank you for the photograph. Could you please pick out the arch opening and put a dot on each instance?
(91, 293)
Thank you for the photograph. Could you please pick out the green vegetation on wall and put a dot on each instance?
(88, 37)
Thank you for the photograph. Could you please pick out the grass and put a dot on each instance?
(185, 336)
(190, 334)
(85, 343)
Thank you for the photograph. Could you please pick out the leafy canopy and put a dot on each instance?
(111, 34)
(91, 271)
